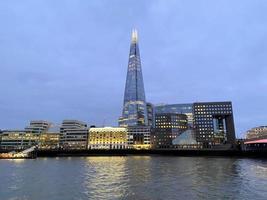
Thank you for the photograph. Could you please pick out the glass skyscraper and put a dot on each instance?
(134, 111)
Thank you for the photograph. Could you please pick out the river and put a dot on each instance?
(133, 177)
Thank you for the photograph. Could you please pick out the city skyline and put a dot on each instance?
(53, 65)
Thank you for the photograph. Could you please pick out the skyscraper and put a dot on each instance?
(134, 111)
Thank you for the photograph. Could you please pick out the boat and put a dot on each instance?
(27, 153)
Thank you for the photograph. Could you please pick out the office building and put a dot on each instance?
(107, 138)
(18, 139)
(73, 135)
(214, 123)
(41, 133)
(186, 109)
(139, 137)
(134, 111)
(50, 138)
(167, 127)
(38, 126)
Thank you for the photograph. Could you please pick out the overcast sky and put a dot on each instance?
(68, 59)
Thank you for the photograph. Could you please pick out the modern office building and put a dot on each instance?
(134, 111)
(73, 135)
(214, 123)
(167, 127)
(107, 138)
(38, 126)
(50, 138)
(139, 137)
(186, 109)
(18, 139)
(40, 133)
(37, 133)
(150, 114)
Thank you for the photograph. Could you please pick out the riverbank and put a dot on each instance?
(163, 152)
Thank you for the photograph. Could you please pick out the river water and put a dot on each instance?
(133, 177)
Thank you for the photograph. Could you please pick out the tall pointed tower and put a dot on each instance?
(134, 111)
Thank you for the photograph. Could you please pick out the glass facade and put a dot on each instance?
(134, 106)
(186, 109)
(167, 127)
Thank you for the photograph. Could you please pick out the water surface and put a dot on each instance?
(133, 177)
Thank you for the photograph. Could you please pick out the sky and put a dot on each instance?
(68, 59)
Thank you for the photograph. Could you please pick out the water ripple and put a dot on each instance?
(133, 177)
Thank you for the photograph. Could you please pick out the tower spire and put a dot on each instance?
(134, 36)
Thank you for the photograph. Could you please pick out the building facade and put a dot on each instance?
(257, 132)
(50, 138)
(73, 135)
(186, 108)
(256, 139)
(214, 123)
(186, 140)
(167, 127)
(134, 111)
(107, 138)
(150, 114)
(139, 137)
(38, 126)
(18, 139)
(39, 133)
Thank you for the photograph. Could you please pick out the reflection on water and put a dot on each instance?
(133, 177)
(103, 172)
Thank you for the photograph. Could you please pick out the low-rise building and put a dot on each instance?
(256, 139)
(23, 139)
(73, 135)
(257, 132)
(38, 126)
(50, 138)
(107, 138)
(18, 139)
(139, 137)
